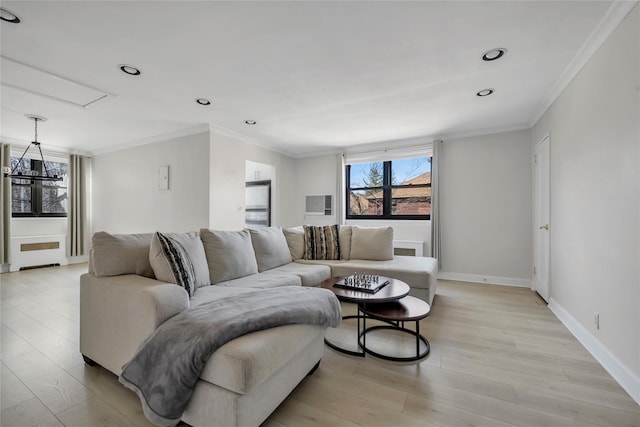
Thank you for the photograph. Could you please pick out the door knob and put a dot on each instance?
(544, 227)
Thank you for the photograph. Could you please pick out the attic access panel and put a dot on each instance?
(33, 80)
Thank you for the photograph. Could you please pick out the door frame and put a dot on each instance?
(536, 222)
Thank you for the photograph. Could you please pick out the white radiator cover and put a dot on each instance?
(21, 258)
(416, 245)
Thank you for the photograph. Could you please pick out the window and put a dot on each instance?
(393, 189)
(39, 198)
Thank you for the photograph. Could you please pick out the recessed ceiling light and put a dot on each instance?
(130, 69)
(203, 101)
(493, 54)
(250, 122)
(9, 16)
(485, 92)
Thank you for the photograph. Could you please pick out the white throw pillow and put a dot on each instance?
(295, 241)
(229, 254)
(372, 243)
(170, 256)
(345, 241)
(270, 247)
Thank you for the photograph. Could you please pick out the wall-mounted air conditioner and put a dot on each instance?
(319, 205)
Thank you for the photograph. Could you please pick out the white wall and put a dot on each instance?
(227, 182)
(595, 200)
(316, 176)
(486, 208)
(125, 195)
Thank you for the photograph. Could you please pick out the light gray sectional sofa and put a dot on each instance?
(128, 292)
(370, 250)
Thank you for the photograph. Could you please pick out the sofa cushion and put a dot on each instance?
(371, 243)
(328, 262)
(247, 361)
(263, 280)
(270, 247)
(179, 258)
(229, 254)
(345, 241)
(310, 274)
(295, 241)
(90, 263)
(417, 272)
(321, 242)
(117, 254)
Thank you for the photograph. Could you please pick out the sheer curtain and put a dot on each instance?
(5, 206)
(78, 217)
(436, 240)
(340, 190)
(396, 153)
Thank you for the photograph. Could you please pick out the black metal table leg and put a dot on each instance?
(359, 353)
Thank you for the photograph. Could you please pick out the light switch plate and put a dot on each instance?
(163, 178)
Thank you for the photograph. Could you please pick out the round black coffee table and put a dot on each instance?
(372, 305)
(395, 313)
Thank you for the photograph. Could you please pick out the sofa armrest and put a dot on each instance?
(118, 313)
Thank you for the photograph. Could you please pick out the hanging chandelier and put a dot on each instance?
(16, 172)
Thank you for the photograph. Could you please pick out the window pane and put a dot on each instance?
(21, 199)
(366, 175)
(54, 200)
(364, 202)
(411, 201)
(392, 189)
(34, 197)
(416, 170)
(24, 168)
(59, 169)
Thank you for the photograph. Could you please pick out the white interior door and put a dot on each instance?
(541, 219)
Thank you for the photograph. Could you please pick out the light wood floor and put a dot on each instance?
(499, 357)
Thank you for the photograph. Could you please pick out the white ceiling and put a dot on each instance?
(316, 76)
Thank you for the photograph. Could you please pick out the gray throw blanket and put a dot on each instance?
(168, 364)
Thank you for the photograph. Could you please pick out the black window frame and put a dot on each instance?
(36, 195)
(386, 188)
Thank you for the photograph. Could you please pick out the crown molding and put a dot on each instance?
(481, 132)
(201, 128)
(408, 142)
(155, 138)
(207, 127)
(607, 25)
(47, 150)
(373, 146)
(241, 137)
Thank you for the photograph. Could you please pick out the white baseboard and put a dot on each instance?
(618, 370)
(78, 259)
(491, 280)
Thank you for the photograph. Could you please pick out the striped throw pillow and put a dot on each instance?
(179, 262)
(321, 242)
